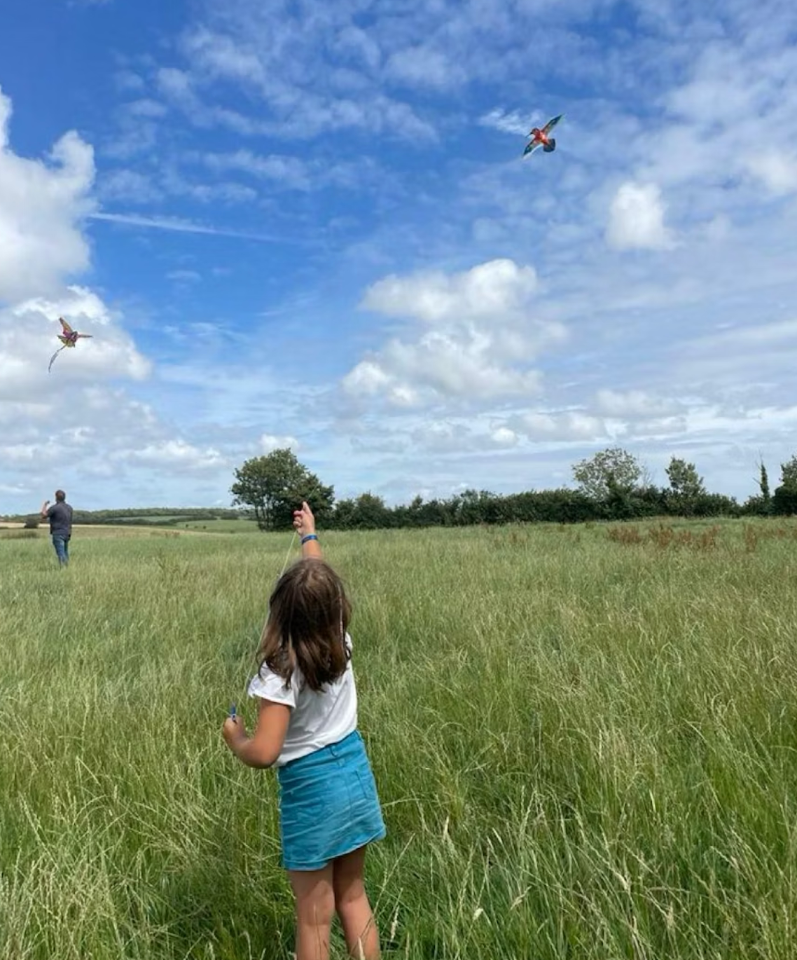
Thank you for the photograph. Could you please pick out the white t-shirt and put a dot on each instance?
(317, 719)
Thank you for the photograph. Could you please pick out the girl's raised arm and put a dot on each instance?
(304, 524)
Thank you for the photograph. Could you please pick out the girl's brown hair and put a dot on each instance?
(308, 617)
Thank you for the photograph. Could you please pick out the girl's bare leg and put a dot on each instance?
(353, 908)
(315, 909)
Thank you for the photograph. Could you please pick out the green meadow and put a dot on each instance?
(584, 739)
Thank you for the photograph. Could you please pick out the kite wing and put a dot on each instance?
(65, 325)
(551, 124)
(531, 147)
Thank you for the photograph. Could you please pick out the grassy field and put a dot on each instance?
(585, 742)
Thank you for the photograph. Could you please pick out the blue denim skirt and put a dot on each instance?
(328, 805)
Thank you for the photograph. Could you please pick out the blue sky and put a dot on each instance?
(310, 225)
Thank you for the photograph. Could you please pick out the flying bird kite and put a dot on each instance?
(69, 338)
(540, 138)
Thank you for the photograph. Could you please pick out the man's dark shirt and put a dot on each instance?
(60, 517)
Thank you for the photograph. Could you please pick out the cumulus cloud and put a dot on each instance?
(487, 290)
(42, 206)
(477, 337)
(174, 454)
(636, 219)
(449, 365)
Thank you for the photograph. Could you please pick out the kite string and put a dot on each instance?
(287, 554)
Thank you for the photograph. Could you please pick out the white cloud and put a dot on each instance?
(513, 122)
(41, 208)
(129, 81)
(174, 454)
(489, 290)
(178, 185)
(184, 276)
(367, 378)
(440, 435)
(424, 66)
(286, 63)
(147, 108)
(776, 169)
(459, 364)
(483, 336)
(636, 219)
(129, 185)
(563, 426)
(269, 442)
(632, 404)
(504, 437)
(290, 171)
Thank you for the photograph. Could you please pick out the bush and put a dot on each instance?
(784, 501)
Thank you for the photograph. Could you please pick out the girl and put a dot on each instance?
(307, 728)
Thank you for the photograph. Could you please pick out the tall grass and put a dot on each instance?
(586, 746)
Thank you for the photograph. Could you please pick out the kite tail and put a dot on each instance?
(550, 146)
(52, 358)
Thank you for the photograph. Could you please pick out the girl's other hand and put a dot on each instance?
(233, 731)
(303, 520)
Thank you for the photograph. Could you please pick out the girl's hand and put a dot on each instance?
(303, 520)
(234, 732)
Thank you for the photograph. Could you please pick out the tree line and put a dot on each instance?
(611, 485)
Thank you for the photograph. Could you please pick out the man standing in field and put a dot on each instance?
(60, 517)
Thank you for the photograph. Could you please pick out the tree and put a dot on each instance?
(761, 503)
(610, 473)
(274, 486)
(686, 486)
(784, 500)
(763, 484)
(370, 512)
(788, 473)
(471, 506)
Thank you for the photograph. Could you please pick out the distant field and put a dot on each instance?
(136, 528)
(221, 526)
(584, 737)
(88, 531)
(186, 523)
